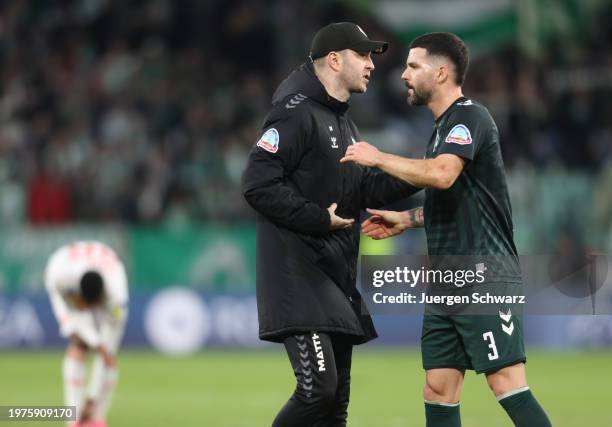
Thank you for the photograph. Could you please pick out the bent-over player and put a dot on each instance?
(87, 286)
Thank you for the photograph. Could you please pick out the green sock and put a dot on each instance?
(524, 409)
(438, 415)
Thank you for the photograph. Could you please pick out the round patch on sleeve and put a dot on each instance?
(459, 134)
(269, 140)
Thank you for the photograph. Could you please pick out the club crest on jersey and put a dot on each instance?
(459, 134)
(269, 140)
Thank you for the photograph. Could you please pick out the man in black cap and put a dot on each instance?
(307, 238)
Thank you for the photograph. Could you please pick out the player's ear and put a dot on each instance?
(443, 73)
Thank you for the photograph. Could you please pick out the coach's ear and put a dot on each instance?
(334, 61)
(446, 169)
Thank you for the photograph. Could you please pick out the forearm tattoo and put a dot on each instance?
(415, 216)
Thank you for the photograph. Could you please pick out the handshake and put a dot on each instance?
(380, 225)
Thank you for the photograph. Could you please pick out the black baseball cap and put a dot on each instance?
(343, 35)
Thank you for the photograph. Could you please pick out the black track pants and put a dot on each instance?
(322, 366)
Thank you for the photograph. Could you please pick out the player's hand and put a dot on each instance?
(363, 154)
(109, 359)
(87, 413)
(77, 345)
(336, 222)
(384, 224)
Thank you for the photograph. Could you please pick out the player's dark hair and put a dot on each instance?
(92, 287)
(449, 46)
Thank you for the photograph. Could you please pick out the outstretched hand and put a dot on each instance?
(337, 222)
(384, 224)
(363, 154)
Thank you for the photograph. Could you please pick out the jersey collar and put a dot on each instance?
(455, 102)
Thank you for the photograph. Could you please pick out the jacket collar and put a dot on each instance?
(304, 80)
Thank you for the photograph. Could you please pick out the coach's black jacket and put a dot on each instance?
(306, 274)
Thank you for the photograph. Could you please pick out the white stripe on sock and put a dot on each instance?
(450, 405)
(512, 393)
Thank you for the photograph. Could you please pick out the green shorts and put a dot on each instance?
(484, 343)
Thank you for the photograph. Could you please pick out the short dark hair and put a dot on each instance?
(92, 286)
(449, 46)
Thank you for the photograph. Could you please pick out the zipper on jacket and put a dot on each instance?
(344, 137)
(343, 146)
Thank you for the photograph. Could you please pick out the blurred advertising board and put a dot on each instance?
(209, 258)
(180, 320)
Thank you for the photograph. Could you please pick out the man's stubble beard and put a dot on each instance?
(358, 88)
(418, 97)
(355, 86)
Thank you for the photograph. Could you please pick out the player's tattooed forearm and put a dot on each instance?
(416, 217)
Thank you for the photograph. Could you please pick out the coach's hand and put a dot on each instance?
(336, 222)
(363, 154)
(383, 224)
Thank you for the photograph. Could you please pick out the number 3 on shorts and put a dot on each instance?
(488, 336)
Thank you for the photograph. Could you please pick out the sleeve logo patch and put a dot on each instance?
(269, 140)
(459, 134)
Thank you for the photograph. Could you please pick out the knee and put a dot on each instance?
(77, 349)
(441, 389)
(435, 394)
(326, 393)
(497, 385)
(327, 397)
(507, 379)
(321, 394)
(501, 385)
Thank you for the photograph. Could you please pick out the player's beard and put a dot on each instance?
(420, 96)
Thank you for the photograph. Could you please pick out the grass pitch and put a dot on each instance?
(245, 388)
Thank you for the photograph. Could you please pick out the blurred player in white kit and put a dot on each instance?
(87, 286)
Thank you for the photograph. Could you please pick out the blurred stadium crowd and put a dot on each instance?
(143, 112)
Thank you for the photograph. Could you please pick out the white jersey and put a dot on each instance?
(63, 274)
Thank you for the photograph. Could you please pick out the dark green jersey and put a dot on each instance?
(473, 217)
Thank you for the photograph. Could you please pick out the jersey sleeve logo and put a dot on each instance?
(459, 134)
(269, 140)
